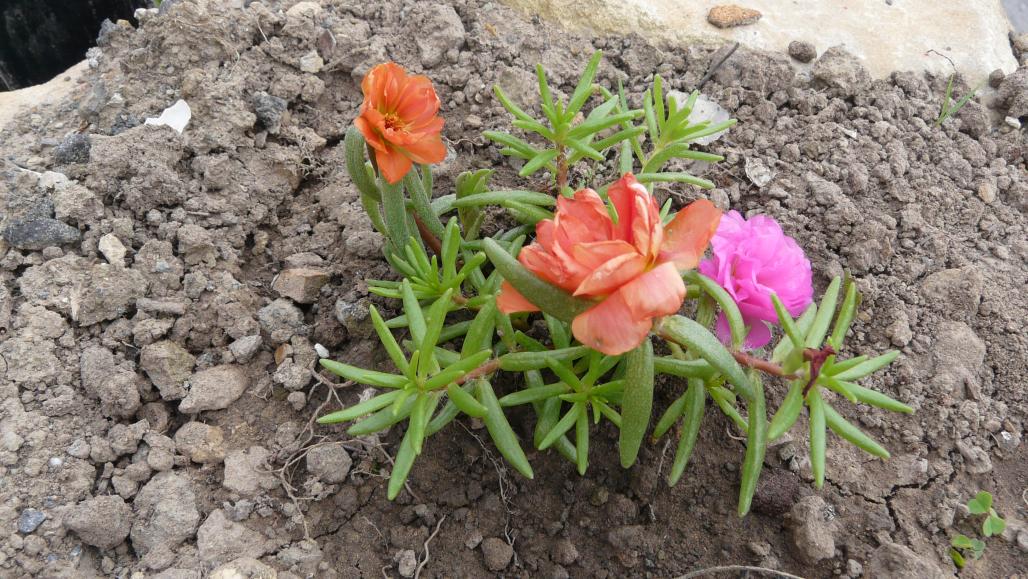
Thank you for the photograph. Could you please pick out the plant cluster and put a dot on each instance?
(609, 271)
(992, 525)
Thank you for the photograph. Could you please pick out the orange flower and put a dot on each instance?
(632, 267)
(398, 119)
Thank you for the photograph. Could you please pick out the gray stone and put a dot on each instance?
(73, 149)
(281, 320)
(355, 317)
(892, 561)
(802, 51)
(124, 439)
(30, 520)
(214, 389)
(196, 244)
(244, 348)
(219, 540)
(838, 69)
(103, 522)
(497, 553)
(106, 293)
(442, 31)
(38, 233)
(406, 562)
(813, 529)
(169, 366)
(119, 394)
(329, 462)
(201, 442)
(269, 110)
(74, 202)
(245, 567)
(112, 249)
(245, 471)
(166, 514)
(1012, 96)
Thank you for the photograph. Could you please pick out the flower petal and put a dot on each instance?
(610, 327)
(596, 253)
(611, 275)
(392, 163)
(687, 236)
(510, 301)
(622, 194)
(658, 292)
(429, 149)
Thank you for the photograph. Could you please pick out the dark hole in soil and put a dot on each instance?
(39, 39)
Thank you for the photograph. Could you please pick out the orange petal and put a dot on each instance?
(658, 292)
(612, 275)
(545, 265)
(393, 164)
(382, 84)
(593, 255)
(367, 126)
(622, 194)
(510, 301)
(610, 327)
(687, 236)
(647, 230)
(428, 150)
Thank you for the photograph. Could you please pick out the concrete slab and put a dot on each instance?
(888, 35)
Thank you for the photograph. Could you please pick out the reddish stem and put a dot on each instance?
(430, 240)
(487, 368)
(762, 365)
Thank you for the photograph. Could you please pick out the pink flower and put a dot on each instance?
(632, 268)
(752, 260)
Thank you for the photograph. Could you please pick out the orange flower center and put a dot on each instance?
(394, 122)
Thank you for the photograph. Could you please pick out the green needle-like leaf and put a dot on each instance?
(562, 426)
(498, 197)
(838, 386)
(674, 177)
(725, 302)
(384, 418)
(358, 410)
(388, 340)
(535, 394)
(521, 361)
(401, 465)
(696, 399)
(465, 402)
(421, 200)
(637, 403)
(785, 348)
(817, 436)
(508, 104)
(877, 399)
(867, 367)
(667, 420)
(701, 342)
(582, 441)
(418, 421)
(584, 88)
(787, 323)
(415, 317)
(756, 445)
(457, 369)
(846, 313)
(362, 376)
(538, 162)
(816, 335)
(848, 431)
(500, 431)
(683, 368)
(788, 412)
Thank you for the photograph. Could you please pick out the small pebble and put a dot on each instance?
(30, 520)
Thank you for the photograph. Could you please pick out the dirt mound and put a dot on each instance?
(157, 392)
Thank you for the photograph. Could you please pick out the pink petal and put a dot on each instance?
(610, 327)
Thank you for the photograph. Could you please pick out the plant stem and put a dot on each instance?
(428, 237)
(562, 170)
(764, 366)
(487, 368)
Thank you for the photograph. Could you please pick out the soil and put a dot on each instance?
(157, 398)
